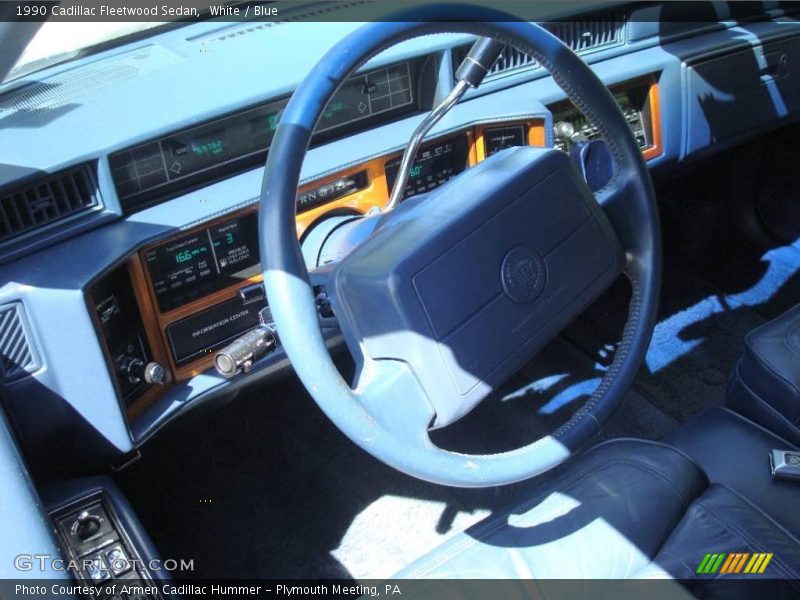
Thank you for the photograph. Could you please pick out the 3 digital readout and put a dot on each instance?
(189, 267)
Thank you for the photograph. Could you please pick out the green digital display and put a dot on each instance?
(415, 171)
(205, 261)
(188, 255)
(208, 148)
(262, 128)
(332, 110)
(229, 239)
(242, 138)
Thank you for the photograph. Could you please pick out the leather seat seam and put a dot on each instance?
(776, 560)
(771, 371)
(676, 559)
(791, 536)
(769, 408)
(787, 338)
(741, 419)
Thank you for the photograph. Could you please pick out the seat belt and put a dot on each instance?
(785, 464)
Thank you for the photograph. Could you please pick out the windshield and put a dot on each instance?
(60, 41)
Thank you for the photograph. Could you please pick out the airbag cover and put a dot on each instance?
(468, 282)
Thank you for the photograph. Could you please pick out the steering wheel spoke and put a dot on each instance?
(619, 201)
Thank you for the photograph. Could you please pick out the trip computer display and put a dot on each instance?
(370, 94)
(195, 150)
(235, 246)
(176, 160)
(194, 265)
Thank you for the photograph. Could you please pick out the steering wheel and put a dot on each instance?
(453, 292)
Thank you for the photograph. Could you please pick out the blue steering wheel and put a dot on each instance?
(452, 293)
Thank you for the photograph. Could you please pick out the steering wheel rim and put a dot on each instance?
(400, 438)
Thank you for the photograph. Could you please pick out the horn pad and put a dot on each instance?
(466, 283)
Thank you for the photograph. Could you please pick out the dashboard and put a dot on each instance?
(142, 249)
(201, 289)
(185, 159)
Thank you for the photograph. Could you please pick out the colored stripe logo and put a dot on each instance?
(734, 562)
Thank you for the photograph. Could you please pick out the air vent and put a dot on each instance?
(510, 60)
(18, 356)
(46, 201)
(590, 35)
(582, 36)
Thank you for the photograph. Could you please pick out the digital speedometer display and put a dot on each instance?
(197, 151)
(435, 164)
(367, 95)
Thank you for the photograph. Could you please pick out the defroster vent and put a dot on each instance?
(46, 201)
(584, 36)
(590, 34)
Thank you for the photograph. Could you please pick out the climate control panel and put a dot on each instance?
(639, 105)
(119, 319)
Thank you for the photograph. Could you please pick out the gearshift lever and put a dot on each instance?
(470, 74)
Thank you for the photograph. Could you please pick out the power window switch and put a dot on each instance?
(97, 569)
(117, 560)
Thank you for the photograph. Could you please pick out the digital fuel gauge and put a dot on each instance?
(235, 245)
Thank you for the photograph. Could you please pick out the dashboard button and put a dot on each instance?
(252, 293)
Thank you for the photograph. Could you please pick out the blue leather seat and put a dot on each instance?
(635, 509)
(734, 452)
(765, 385)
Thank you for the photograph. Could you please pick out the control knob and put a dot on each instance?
(564, 130)
(154, 373)
(135, 370)
(86, 525)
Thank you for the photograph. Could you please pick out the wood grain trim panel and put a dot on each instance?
(654, 104)
(149, 315)
(145, 292)
(375, 195)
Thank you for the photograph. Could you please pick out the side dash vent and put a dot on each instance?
(46, 201)
(18, 356)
